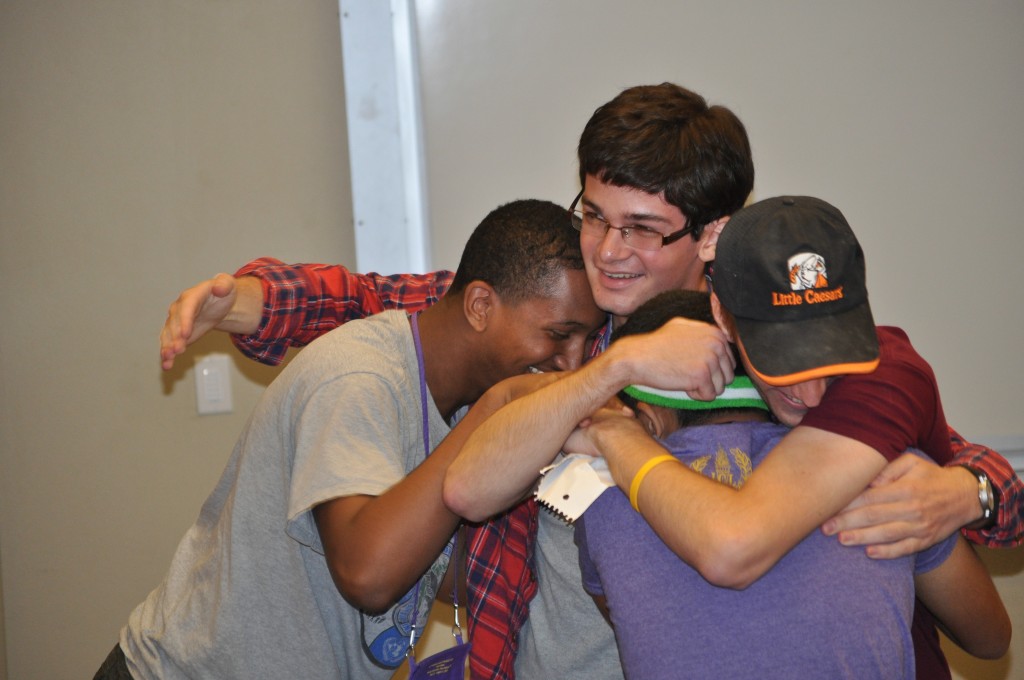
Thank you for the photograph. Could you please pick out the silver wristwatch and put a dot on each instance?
(986, 498)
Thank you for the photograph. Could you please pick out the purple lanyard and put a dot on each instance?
(414, 322)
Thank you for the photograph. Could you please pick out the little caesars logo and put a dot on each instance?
(807, 273)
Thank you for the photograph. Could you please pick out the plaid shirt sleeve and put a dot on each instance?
(304, 301)
(1008, 531)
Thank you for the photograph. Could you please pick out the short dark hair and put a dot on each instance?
(665, 138)
(520, 249)
(655, 313)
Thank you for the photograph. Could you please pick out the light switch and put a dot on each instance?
(213, 384)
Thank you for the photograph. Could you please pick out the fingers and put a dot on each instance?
(889, 551)
(179, 329)
(889, 523)
(685, 355)
(927, 500)
(875, 507)
(173, 335)
(884, 540)
(719, 373)
(873, 532)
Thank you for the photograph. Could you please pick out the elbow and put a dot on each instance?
(996, 645)
(365, 588)
(458, 499)
(723, 573)
(732, 560)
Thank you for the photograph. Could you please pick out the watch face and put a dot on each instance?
(986, 497)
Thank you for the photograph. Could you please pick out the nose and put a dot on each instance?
(565, 362)
(613, 246)
(810, 392)
(571, 356)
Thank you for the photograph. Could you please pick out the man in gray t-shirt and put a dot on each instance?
(330, 507)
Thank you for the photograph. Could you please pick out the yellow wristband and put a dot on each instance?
(634, 486)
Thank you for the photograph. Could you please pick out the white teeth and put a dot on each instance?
(534, 369)
(620, 276)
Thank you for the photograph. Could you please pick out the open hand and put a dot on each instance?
(196, 311)
(912, 505)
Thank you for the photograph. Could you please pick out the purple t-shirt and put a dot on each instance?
(824, 611)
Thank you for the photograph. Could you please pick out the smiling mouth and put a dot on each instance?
(617, 277)
(792, 400)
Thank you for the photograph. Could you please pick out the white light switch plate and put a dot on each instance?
(213, 384)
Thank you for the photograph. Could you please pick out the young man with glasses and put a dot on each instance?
(654, 159)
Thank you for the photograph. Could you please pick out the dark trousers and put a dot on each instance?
(115, 667)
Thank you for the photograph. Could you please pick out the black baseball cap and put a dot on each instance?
(791, 273)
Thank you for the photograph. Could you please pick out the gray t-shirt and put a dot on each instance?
(248, 593)
(565, 636)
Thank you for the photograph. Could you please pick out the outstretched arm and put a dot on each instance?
(270, 306)
(961, 595)
(525, 435)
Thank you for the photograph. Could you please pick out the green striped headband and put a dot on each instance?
(740, 393)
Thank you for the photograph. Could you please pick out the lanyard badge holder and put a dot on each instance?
(449, 664)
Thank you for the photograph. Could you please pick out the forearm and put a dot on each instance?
(734, 536)
(526, 434)
(378, 548)
(247, 310)
(501, 460)
(707, 524)
(375, 547)
(961, 595)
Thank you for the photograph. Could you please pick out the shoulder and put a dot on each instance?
(900, 369)
(895, 350)
(379, 346)
(380, 334)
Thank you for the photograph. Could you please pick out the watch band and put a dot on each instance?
(986, 499)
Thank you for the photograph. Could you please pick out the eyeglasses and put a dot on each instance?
(634, 235)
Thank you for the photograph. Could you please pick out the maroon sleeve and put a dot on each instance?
(892, 409)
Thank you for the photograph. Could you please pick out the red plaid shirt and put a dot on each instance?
(302, 302)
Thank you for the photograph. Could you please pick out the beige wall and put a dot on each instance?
(905, 115)
(144, 146)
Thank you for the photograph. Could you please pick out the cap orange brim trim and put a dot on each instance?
(828, 371)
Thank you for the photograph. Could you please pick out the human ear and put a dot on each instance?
(647, 416)
(478, 304)
(709, 239)
(722, 318)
